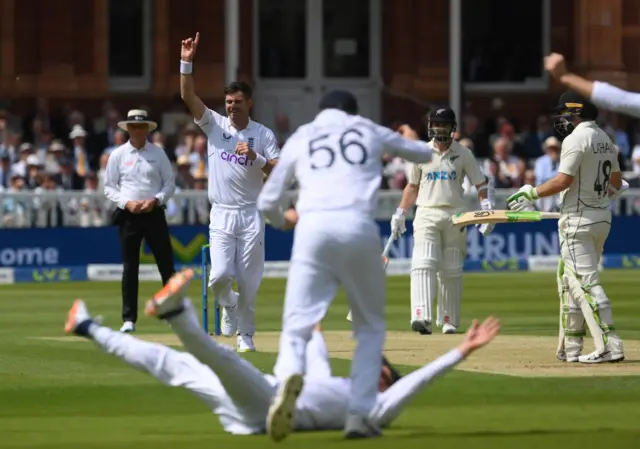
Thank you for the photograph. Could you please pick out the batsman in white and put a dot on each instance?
(241, 152)
(238, 392)
(588, 178)
(600, 93)
(337, 161)
(440, 247)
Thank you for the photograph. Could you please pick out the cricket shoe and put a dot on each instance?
(562, 356)
(358, 426)
(168, 301)
(281, 416)
(229, 320)
(449, 329)
(245, 343)
(128, 326)
(77, 314)
(606, 357)
(421, 326)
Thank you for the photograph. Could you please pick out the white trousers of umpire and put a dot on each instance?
(236, 239)
(332, 249)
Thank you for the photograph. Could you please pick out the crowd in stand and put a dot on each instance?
(49, 151)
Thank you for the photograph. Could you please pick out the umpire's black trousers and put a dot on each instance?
(152, 227)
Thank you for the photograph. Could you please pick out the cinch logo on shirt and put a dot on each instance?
(235, 159)
(441, 176)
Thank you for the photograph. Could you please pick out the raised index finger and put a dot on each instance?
(197, 39)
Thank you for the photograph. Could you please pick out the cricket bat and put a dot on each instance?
(385, 259)
(501, 216)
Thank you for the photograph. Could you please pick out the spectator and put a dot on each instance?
(13, 210)
(506, 164)
(20, 167)
(5, 169)
(52, 161)
(68, 178)
(184, 178)
(119, 138)
(187, 137)
(91, 209)
(104, 159)
(534, 141)
(198, 157)
(635, 157)
(546, 167)
(78, 137)
(107, 138)
(48, 210)
(34, 172)
(471, 130)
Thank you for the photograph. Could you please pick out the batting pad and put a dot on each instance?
(450, 287)
(424, 264)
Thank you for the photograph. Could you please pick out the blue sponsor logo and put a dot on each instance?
(442, 176)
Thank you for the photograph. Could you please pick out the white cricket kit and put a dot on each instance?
(240, 394)
(590, 157)
(236, 228)
(337, 160)
(439, 246)
(606, 96)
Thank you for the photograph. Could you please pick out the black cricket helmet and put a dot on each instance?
(571, 107)
(339, 99)
(441, 124)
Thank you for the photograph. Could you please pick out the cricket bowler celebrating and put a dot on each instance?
(440, 247)
(588, 178)
(238, 393)
(240, 153)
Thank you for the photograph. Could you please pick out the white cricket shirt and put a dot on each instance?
(441, 179)
(337, 160)
(589, 155)
(134, 175)
(235, 181)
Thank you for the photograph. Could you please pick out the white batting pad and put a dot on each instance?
(450, 287)
(423, 292)
(424, 264)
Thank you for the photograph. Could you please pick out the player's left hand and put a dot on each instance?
(486, 228)
(148, 205)
(555, 64)
(242, 149)
(524, 199)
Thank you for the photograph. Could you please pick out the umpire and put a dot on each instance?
(139, 179)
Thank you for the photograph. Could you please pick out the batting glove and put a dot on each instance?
(486, 228)
(397, 223)
(524, 199)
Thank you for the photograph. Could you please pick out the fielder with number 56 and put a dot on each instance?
(440, 247)
(589, 177)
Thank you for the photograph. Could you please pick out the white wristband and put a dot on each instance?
(186, 67)
(261, 160)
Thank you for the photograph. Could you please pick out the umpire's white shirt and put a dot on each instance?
(235, 181)
(138, 174)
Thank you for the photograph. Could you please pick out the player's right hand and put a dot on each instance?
(188, 49)
(555, 64)
(397, 223)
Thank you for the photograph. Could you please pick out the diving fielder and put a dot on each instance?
(601, 94)
(337, 160)
(589, 177)
(238, 392)
(241, 152)
(439, 246)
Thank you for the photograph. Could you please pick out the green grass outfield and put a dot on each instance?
(61, 393)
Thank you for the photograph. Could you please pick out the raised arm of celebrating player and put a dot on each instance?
(602, 94)
(187, 89)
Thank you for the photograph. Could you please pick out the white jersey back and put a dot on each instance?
(589, 155)
(441, 179)
(337, 160)
(235, 181)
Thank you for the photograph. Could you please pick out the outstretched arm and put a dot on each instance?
(187, 89)
(393, 401)
(602, 94)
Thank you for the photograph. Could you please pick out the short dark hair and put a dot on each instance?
(395, 374)
(238, 86)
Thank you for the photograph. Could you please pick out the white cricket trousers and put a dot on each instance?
(332, 249)
(237, 251)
